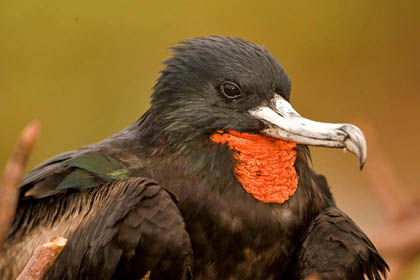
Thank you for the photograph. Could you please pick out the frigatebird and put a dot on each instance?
(212, 182)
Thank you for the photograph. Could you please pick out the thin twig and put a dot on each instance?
(382, 176)
(12, 175)
(312, 276)
(147, 276)
(43, 259)
(399, 240)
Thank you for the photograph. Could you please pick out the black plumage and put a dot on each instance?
(160, 196)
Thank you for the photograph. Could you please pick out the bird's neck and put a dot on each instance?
(264, 165)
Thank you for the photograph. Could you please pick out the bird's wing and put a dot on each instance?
(334, 247)
(130, 227)
(80, 169)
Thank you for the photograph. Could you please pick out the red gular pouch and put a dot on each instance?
(265, 165)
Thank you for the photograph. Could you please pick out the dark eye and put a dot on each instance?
(230, 90)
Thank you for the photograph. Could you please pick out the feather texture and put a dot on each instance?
(103, 166)
(79, 178)
(336, 248)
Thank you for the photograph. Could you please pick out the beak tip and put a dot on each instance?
(362, 164)
(356, 143)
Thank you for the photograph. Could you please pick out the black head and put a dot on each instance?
(211, 82)
(223, 83)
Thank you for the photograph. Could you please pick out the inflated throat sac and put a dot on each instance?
(265, 165)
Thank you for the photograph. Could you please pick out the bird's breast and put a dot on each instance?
(265, 165)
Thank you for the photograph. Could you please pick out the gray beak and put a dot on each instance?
(285, 123)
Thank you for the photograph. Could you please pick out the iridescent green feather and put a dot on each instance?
(91, 169)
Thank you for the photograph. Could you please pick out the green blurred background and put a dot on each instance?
(85, 69)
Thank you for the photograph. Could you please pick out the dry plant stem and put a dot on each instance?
(12, 175)
(43, 259)
(382, 177)
(398, 267)
(399, 240)
(312, 276)
(146, 277)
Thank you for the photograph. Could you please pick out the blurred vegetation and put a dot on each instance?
(85, 69)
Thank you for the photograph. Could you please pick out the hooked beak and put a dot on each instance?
(285, 123)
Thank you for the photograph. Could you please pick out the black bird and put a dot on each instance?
(212, 182)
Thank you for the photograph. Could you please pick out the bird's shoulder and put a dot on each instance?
(110, 160)
(336, 248)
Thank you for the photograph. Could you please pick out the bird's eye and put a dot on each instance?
(230, 90)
